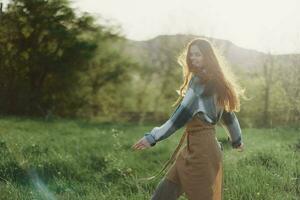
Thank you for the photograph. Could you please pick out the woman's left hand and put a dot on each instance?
(240, 148)
(141, 144)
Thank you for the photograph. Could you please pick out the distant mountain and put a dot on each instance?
(165, 48)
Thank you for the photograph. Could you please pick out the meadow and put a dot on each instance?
(77, 159)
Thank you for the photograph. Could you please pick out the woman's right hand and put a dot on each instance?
(141, 144)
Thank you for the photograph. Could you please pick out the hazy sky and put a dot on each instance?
(265, 25)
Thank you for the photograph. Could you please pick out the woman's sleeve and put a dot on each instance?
(183, 113)
(232, 125)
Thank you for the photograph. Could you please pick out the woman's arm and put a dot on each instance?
(232, 125)
(183, 113)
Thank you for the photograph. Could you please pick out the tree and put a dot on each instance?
(43, 46)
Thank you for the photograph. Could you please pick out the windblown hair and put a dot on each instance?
(217, 77)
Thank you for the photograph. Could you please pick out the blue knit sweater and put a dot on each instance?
(205, 107)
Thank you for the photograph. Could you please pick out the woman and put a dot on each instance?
(207, 96)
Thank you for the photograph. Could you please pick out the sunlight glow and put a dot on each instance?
(264, 25)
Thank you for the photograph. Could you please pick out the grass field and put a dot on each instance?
(73, 159)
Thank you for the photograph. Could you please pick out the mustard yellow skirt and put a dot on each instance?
(198, 168)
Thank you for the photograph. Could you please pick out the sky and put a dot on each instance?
(270, 26)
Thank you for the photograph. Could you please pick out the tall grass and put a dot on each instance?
(73, 159)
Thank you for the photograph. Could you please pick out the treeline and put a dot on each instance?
(272, 82)
(56, 62)
(274, 91)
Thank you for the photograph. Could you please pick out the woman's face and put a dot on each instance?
(196, 57)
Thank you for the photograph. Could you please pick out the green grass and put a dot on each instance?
(73, 159)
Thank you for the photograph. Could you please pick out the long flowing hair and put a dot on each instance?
(215, 75)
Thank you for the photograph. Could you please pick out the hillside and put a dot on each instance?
(167, 47)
